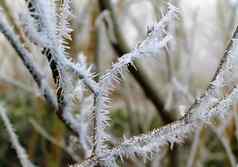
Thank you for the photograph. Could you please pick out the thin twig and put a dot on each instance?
(194, 148)
(50, 138)
(235, 112)
(226, 145)
(17, 84)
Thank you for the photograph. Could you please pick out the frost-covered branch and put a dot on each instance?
(146, 145)
(213, 103)
(175, 132)
(21, 153)
(26, 58)
(157, 38)
(54, 34)
(120, 46)
(223, 75)
(47, 27)
(54, 48)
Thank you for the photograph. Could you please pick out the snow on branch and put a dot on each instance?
(21, 153)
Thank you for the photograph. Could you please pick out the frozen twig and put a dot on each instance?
(194, 148)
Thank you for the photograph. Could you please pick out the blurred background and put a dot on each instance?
(159, 92)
